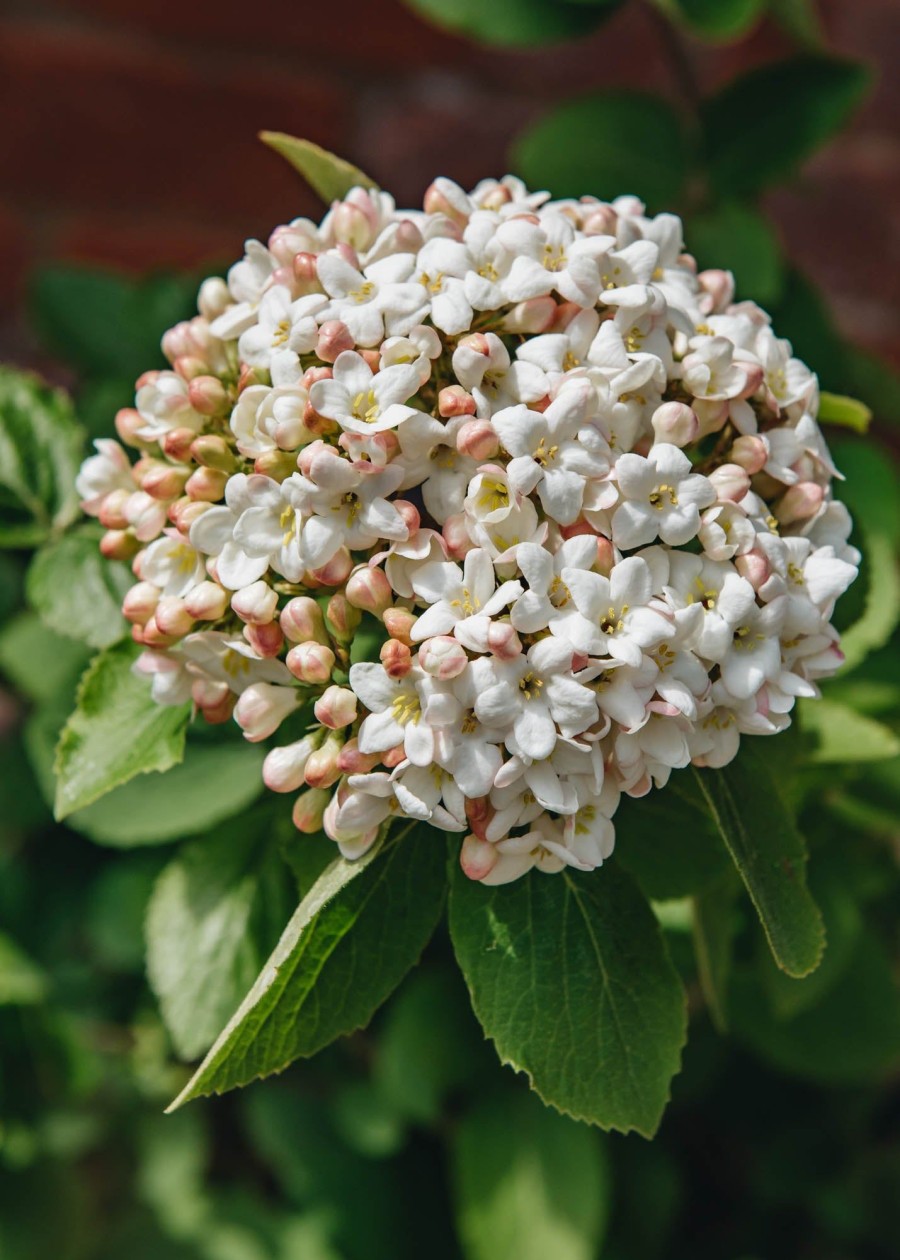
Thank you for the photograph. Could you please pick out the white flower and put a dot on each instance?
(363, 401)
(456, 594)
(285, 328)
(661, 498)
(267, 419)
(711, 599)
(482, 365)
(172, 564)
(395, 711)
(163, 404)
(615, 617)
(103, 473)
(372, 302)
(498, 517)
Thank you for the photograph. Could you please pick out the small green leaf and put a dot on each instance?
(850, 413)
(329, 176)
(716, 19)
(530, 1184)
(348, 945)
(570, 978)
(668, 843)
(22, 982)
(745, 802)
(800, 19)
(116, 732)
(764, 124)
(41, 663)
(517, 23)
(740, 239)
(40, 453)
(77, 591)
(843, 736)
(715, 923)
(208, 933)
(620, 142)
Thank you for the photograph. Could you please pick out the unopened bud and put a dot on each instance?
(399, 623)
(266, 641)
(283, 768)
(334, 338)
(675, 423)
(754, 566)
(477, 439)
(453, 400)
(164, 481)
(279, 465)
(140, 602)
(393, 757)
(309, 810)
(352, 761)
(799, 503)
(213, 298)
(306, 276)
(600, 221)
(751, 452)
(209, 396)
(456, 536)
(336, 571)
(719, 285)
(443, 657)
(190, 365)
(206, 602)
(503, 641)
(256, 603)
(119, 544)
(477, 857)
(112, 512)
(212, 451)
(322, 770)
(396, 658)
(220, 713)
(208, 693)
(172, 616)
(128, 421)
(262, 708)
(341, 618)
(336, 707)
(176, 444)
(410, 514)
(606, 556)
(535, 315)
(184, 512)
(302, 621)
(206, 485)
(310, 662)
(152, 636)
(369, 589)
(444, 197)
(731, 482)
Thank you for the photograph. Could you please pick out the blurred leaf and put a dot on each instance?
(800, 19)
(739, 239)
(37, 661)
(803, 317)
(77, 591)
(620, 142)
(22, 982)
(770, 855)
(530, 1184)
(367, 1122)
(348, 945)
(116, 732)
(763, 125)
(115, 911)
(207, 933)
(516, 22)
(170, 1175)
(211, 783)
(715, 924)
(668, 843)
(875, 381)
(850, 413)
(842, 736)
(570, 978)
(40, 454)
(330, 176)
(716, 19)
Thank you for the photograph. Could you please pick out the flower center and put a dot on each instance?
(554, 257)
(530, 685)
(584, 818)
(290, 520)
(660, 494)
(795, 573)
(613, 622)
(363, 293)
(745, 639)
(570, 361)
(434, 283)
(469, 723)
(281, 333)
(406, 708)
(544, 454)
(469, 603)
(494, 495)
(559, 594)
(365, 407)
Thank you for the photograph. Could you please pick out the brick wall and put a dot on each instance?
(128, 131)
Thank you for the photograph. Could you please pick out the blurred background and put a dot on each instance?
(131, 166)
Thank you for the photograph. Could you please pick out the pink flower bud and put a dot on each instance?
(341, 618)
(190, 365)
(755, 376)
(248, 376)
(177, 444)
(535, 315)
(309, 810)
(750, 452)
(352, 761)
(206, 485)
(477, 343)
(221, 712)
(183, 513)
(720, 287)
(310, 662)
(349, 224)
(306, 276)
(112, 512)
(456, 536)
(302, 621)
(445, 197)
(396, 657)
(209, 396)
(334, 338)
(731, 482)
(164, 481)
(317, 424)
(754, 566)
(212, 451)
(278, 465)
(369, 589)
(503, 641)
(477, 857)
(118, 544)
(140, 603)
(410, 513)
(675, 423)
(208, 693)
(206, 602)
(128, 421)
(256, 603)
(799, 503)
(393, 757)
(479, 813)
(336, 571)
(172, 616)
(266, 641)
(336, 707)
(213, 298)
(399, 623)
(152, 636)
(443, 657)
(261, 709)
(600, 221)
(322, 769)
(477, 439)
(453, 400)
(283, 768)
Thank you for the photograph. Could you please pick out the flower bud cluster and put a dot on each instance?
(581, 490)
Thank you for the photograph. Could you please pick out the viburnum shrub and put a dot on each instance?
(489, 514)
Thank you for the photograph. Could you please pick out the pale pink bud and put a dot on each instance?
(261, 709)
(248, 376)
(322, 770)
(755, 375)
(445, 197)
(453, 400)
(310, 662)
(477, 857)
(283, 768)
(208, 693)
(206, 485)
(128, 421)
(334, 338)
(190, 365)
(456, 536)
(410, 513)
(140, 602)
(675, 423)
(352, 761)
(754, 566)
(118, 544)
(477, 343)
(221, 712)
(399, 623)
(479, 813)
(336, 707)
(152, 636)
(213, 298)
(350, 224)
(306, 276)
(266, 641)
(719, 285)
(256, 603)
(477, 439)
(503, 641)
(393, 757)
(309, 810)
(396, 657)
(279, 465)
(369, 589)
(348, 253)
(731, 482)
(212, 451)
(443, 657)
(112, 512)
(565, 313)
(600, 221)
(341, 618)
(302, 621)
(206, 602)
(799, 503)
(751, 452)
(408, 239)
(606, 556)
(535, 315)
(336, 571)
(172, 616)
(209, 396)
(164, 481)
(184, 512)
(177, 444)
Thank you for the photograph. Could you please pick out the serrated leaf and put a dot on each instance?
(761, 126)
(570, 978)
(40, 453)
(516, 23)
(620, 142)
(348, 945)
(849, 413)
(328, 175)
(739, 239)
(529, 1184)
(668, 843)
(759, 832)
(116, 732)
(714, 926)
(77, 591)
(842, 736)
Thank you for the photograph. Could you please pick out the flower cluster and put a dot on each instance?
(579, 491)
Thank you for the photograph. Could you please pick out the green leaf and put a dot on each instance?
(843, 736)
(850, 413)
(759, 832)
(348, 945)
(516, 22)
(570, 978)
(77, 591)
(22, 982)
(329, 176)
(212, 783)
(40, 454)
(668, 843)
(715, 924)
(716, 19)
(530, 1184)
(800, 19)
(739, 239)
(116, 732)
(208, 932)
(40, 663)
(622, 142)
(761, 126)
(874, 380)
